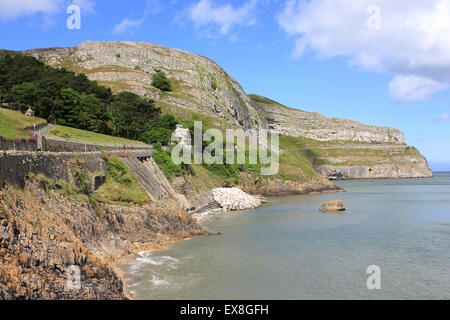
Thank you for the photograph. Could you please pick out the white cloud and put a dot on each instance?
(413, 88)
(127, 26)
(412, 42)
(85, 5)
(222, 18)
(443, 117)
(12, 9)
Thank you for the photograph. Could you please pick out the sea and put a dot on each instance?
(392, 242)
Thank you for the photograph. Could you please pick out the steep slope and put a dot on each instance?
(298, 123)
(337, 148)
(346, 149)
(200, 85)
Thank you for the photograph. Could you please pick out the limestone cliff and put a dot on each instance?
(202, 87)
(200, 84)
(313, 125)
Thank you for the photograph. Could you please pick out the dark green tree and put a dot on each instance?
(160, 131)
(160, 81)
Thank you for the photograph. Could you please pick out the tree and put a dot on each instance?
(24, 95)
(68, 108)
(130, 114)
(160, 131)
(91, 112)
(160, 81)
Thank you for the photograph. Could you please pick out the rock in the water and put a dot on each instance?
(332, 206)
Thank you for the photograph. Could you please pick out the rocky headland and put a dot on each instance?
(52, 240)
(203, 87)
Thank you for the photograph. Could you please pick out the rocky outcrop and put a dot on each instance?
(202, 86)
(312, 125)
(332, 206)
(370, 162)
(55, 248)
(381, 171)
(273, 187)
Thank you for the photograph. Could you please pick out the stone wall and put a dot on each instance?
(51, 145)
(14, 166)
(18, 146)
(36, 126)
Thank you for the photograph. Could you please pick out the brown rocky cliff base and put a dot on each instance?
(45, 239)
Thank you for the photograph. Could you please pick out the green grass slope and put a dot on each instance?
(89, 137)
(13, 122)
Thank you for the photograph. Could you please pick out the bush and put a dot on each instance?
(160, 131)
(161, 82)
(122, 186)
(164, 161)
(213, 84)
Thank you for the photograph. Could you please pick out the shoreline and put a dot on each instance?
(206, 216)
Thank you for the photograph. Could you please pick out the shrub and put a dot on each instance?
(161, 82)
(164, 161)
(213, 84)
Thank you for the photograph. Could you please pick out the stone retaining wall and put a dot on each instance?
(15, 166)
(18, 146)
(52, 145)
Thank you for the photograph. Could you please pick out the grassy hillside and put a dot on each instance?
(13, 122)
(122, 186)
(82, 136)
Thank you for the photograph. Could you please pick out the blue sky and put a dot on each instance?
(386, 65)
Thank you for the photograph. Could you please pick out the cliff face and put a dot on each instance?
(55, 248)
(345, 149)
(200, 84)
(298, 123)
(371, 162)
(203, 87)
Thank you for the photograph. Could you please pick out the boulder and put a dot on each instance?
(332, 206)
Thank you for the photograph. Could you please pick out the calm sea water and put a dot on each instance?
(287, 249)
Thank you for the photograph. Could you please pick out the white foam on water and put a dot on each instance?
(158, 282)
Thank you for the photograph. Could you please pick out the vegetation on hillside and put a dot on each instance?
(60, 96)
(160, 81)
(122, 186)
(89, 137)
(12, 124)
(164, 161)
(160, 131)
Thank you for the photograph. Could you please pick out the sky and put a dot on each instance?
(379, 62)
